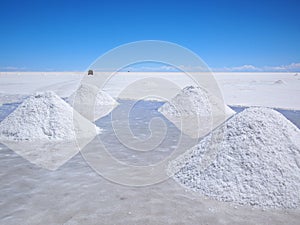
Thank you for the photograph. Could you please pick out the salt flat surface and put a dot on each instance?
(30, 82)
(278, 90)
(75, 194)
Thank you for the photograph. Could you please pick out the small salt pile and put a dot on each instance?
(39, 127)
(195, 111)
(257, 163)
(279, 82)
(91, 102)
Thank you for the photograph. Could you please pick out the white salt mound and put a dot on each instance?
(190, 101)
(43, 116)
(46, 131)
(195, 111)
(91, 102)
(279, 82)
(193, 101)
(258, 162)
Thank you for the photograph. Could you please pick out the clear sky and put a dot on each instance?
(69, 35)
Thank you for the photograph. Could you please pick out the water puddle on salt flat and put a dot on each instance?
(139, 115)
(76, 194)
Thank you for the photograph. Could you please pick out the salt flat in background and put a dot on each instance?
(279, 90)
(42, 195)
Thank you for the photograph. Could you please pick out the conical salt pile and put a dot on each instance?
(91, 102)
(195, 111)
(43, 122)
(258, 162)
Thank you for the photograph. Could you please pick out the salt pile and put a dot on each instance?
(39, 127)
(258, 162)
(43, 116)
(89, 97)
(279, 82)
(195, 111)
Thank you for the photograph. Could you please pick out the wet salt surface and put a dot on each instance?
(138, 116)
(76, 194)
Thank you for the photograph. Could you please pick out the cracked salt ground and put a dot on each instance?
(75, 194)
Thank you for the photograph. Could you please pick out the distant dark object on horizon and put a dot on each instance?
(90, 72)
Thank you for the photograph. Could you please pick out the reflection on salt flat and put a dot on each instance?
(76, 194)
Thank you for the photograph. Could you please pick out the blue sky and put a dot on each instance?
(227, 35)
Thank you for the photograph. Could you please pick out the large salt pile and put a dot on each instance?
(91, 102)
(38, 127)
(195, 111)
(258, 162)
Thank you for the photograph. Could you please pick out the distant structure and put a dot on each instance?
(90, 72)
